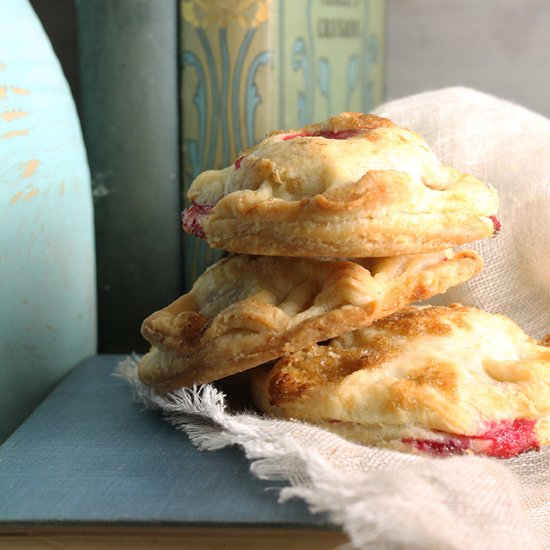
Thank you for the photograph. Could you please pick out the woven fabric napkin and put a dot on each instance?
(385, 499)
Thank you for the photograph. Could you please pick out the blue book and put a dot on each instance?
(91, 462)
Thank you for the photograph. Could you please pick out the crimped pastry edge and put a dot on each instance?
(169, 366)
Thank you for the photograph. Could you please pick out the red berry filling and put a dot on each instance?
(192, 219)
(344, 134)
(496, 224)
(438, 448)
(504, 439)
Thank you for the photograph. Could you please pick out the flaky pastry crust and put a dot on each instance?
(355, 185)
(435, 379)
(246, 310)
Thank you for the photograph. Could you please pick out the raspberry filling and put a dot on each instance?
(496, 224)
(193, 217)
(344, 134)
(504, 439)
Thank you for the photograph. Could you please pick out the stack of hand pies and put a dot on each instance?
(333, 232)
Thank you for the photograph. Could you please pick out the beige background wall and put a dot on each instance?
(497, 46)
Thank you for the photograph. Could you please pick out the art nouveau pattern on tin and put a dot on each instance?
(251, 66)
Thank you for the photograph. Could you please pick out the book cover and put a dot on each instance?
(130, 116)
(91, 464)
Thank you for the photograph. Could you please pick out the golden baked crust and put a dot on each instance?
(355, 185)
(246, 310)
(436, 379)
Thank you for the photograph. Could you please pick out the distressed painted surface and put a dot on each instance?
(47, 259)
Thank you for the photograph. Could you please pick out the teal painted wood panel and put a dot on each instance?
(47, 258)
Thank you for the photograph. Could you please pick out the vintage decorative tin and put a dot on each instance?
(250, 66)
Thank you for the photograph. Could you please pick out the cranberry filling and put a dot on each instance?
(344, 134)
(496, 224)
(511, 438)
(502, 440)
(193, 216)
(438, 448)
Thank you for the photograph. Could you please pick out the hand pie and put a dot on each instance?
(246, 310)
(355, 185)
(426, 379)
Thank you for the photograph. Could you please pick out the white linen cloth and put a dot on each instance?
(389, 500)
